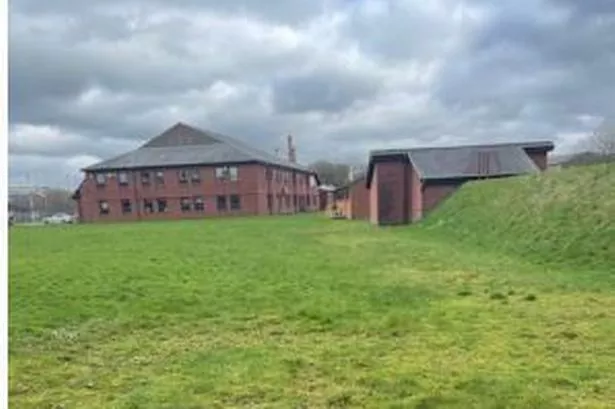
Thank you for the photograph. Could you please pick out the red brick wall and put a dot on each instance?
(252, 186)
(415, 199)
(390, 190)
(539, 158)
(360, 201)
(433, 195)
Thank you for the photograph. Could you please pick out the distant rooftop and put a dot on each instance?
(184, 145)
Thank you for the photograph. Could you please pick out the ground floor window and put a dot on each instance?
(161, 205)
(199, 204)
(235, 202)
(103, 207)
(126, 206)
(221, 203)
(148, 206)
(184, 204)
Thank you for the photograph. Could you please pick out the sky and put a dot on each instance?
(91, 80)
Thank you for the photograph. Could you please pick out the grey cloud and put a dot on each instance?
(526, 69)
(323, 90)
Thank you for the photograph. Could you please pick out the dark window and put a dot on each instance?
(126, 206)
(148, 206)
(270, 202)
(221, 203)
(103, 206)
(160, 177)
(199, 204)
(183, 176)
(161, 205)
(195, 176)
(145, 178)
(307, 197)
(295, 201)
(235, 202)
(101, 179)
(122, 178)
(184, 204)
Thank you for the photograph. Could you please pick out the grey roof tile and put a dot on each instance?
(183, 145)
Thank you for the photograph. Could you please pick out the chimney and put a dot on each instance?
(292, 153)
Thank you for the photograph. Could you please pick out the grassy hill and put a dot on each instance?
(564, 218)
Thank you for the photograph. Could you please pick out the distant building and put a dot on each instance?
(405, 184)
(352, 199)
(186, 172)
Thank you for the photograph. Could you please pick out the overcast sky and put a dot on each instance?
(90, 80)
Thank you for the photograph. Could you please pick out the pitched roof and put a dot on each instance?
(467, 161)
(183, 145)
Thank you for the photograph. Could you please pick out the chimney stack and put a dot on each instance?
(292, 153)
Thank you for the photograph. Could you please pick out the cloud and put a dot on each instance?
(344, 76)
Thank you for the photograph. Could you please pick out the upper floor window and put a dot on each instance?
(160, 177)
(195, 176)
(145, 178)
(101, 179)
(183, 176)
(226, 173)
(122, 178)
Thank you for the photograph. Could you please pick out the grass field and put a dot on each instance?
(303, 312)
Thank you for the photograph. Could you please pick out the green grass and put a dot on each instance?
(564, 218)
(301, 312)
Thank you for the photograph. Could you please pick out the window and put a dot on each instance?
(160, 177)
(103, 206)
(183, 176)
(122, 178)
(199, 204)
(307, 197)
(270, 202)
(145, 178)
(226, 173)
(126, 206)
(233, 173)
(195, 176)
(148, 206)
(161, 205)
(287, 201)
(221, 203)
(235, 202)
(295, 200)
(101, 179)
(184, 204)
(268, 175)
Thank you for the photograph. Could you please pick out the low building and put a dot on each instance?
(186, 172)
(405, 184)
(352, 199)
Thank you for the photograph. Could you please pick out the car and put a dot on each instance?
(59, 218)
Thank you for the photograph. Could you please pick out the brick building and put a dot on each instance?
(352, 199)
(405, 184)
(191, 173)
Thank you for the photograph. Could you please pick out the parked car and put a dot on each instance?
(59, 218)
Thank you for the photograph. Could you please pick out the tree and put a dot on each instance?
(602, 141)
(330, 173)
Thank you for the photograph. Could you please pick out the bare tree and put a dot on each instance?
(602, 141)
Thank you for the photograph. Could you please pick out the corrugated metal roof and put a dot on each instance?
(469, 161)
(183, 145)
(446, 163)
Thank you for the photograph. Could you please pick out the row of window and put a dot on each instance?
(186, 204)
(222, 173)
